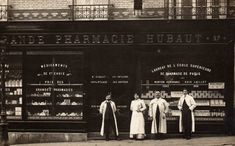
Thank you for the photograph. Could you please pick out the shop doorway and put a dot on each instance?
(113, 71)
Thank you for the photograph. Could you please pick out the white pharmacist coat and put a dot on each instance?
(192, 104)
(103, 107)
(137, 125)
(163, 109)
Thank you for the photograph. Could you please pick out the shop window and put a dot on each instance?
(170, 76)
(54, 88)
(13, 85)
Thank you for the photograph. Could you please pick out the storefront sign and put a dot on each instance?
(176, 69)
(111, 38)
(181, 65)
(180, 74)
(115, 79)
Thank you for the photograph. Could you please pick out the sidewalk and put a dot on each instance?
(195, 141)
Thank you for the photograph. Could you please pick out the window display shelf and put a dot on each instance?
(210, 103)
(70, 105)
(36, 97)
(55, 84)
(39, 105)
(55, 118)
(198, 118)
(13, 86)
(209, 118)
(171, 84)
(14, 117)
(13, 104)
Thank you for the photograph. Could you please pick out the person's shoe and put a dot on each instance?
(188, 138)
(107, 139)
(161, 138)
(156, 137)
(117, 138)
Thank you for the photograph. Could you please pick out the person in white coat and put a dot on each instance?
(158, 108)
(109, 120)
(137, 125)
(186, 105)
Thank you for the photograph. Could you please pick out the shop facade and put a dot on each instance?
(56, 77)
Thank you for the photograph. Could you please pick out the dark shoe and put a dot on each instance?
(131, 138)
(161, 137)
(188, 138)
(117, 138)
(107, 138)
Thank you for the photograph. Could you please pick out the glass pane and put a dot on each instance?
(54, 85)
(13, 85)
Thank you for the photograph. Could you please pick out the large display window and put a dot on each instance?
(203, 75)
(54, 89)
(13, 85)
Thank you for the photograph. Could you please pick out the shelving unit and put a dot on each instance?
(59, 102)
(210, 102)
(53, 94)
(13, 86)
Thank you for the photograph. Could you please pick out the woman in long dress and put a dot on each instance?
(137, 126)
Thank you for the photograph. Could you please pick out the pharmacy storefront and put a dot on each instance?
(57, 78)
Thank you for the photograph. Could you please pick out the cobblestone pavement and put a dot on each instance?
(195, 141)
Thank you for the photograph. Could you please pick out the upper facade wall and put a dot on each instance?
(50, 10)
(40, 4)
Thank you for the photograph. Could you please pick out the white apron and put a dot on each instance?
(137, 125)
(163, 109)
(102, 111)
(191, 104)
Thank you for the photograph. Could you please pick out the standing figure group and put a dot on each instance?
(158, 108)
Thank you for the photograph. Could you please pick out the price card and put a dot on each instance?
(216, 85)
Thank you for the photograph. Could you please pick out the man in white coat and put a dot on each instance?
(158, 108)
(137, 126)
(109, 120)
(186, 123)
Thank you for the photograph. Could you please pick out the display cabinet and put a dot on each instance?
(13, 85)
(210, 102)
(55, 89)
